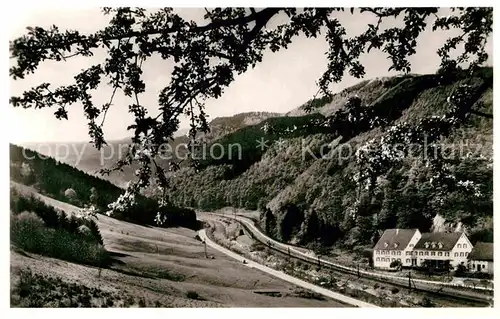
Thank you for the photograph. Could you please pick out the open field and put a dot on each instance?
(164, 267)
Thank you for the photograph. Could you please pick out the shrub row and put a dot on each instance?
(29, 232)
(54, 218)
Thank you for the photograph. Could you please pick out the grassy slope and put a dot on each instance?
(167, 276)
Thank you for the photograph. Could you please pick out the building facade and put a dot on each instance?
(394, 244)
(438, 250)
(441, 250)
(481, 258)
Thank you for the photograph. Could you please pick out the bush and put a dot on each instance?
(426, 302)
(396, 264)
(28, 233)
(394, 290)
(478, 275)
(54, 218)
(70, 193)
(193, 295)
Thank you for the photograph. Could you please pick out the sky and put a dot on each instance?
(280, 83)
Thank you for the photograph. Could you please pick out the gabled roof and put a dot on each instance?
(395, 239)
(482, 251)
(439, 241)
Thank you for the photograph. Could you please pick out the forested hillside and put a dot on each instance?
(306, 196)
(68, 184)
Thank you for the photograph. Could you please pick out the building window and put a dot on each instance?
(456, 254)
(433, 253)
(427, 253)
(411, 245)
(461, 254)
(407, 261)
(393, 252)
(459, 246)
(440, 253)
(466, 254)
(421, 253)
(483, 266)
(465, 246)
(393, 259)
(399, 252)
(377, 252)
(378, 258)
(447, 254)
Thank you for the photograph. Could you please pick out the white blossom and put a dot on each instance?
(87, 212)
(123, 202)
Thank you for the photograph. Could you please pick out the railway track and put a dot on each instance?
(434, 288)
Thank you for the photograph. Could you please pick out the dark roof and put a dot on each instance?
(439, 241)
(482, 251)
(400, 237)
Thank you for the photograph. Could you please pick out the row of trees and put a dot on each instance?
(54, 218)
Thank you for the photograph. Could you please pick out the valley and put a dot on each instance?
(296, 199)
(163, 267)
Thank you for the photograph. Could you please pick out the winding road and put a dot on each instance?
(283, 276)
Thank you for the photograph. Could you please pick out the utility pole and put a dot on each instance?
(409, 280)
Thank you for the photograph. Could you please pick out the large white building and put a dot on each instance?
(394, 244)
(442, 249)
(413, 249)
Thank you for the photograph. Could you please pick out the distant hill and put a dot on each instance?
(369, 89)
(87, 158)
